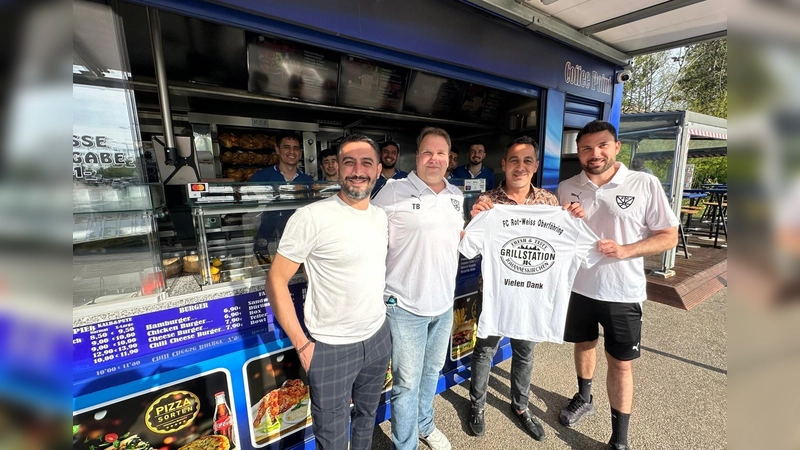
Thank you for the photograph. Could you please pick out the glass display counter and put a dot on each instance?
(239, 226)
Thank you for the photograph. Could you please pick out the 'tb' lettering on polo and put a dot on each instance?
(424, 231)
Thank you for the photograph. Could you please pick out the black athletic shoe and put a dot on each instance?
(618, 446)
(574, 412)
(531, 425)
(476, 421)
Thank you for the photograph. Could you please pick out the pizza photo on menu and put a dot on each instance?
(211, 442)
(195, 413)
(279, 405)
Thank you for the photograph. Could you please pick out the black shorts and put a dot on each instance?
(622, 325)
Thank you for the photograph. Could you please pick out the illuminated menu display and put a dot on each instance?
(481, 104)
(370, 84)
(113, 340)
(432, 95)
(287, 69)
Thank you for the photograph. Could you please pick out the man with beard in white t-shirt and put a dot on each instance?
(342, 241)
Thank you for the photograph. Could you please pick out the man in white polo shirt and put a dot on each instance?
(342, 241)
(630, 213)
(426, 218)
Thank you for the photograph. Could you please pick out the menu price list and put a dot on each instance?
(430, 94)
(469, 271)
(107, 342)
(369, 84)
(292, 70)
(481, 104)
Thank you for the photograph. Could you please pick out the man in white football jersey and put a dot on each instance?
(630, 213)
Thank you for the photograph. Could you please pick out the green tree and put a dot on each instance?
(652, 83)
(693, 78)
(703, 81)
(710, 170)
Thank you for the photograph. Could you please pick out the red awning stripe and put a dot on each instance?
(708, 134)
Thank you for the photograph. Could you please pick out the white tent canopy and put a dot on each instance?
(618, 29)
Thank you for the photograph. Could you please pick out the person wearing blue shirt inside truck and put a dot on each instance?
(289, 153)
(273, 223)
(475, 168)
(390, 152)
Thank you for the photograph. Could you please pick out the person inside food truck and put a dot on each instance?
(273, 222)
(330, 168)
(452, 162)
(475, 168)
(289, 151)
(390, 153)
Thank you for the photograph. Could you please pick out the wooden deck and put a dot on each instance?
(696, 278)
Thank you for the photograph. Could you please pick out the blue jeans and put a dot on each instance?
(419, 348)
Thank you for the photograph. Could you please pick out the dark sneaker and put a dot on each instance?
(574, 412)
(476, 421)
(618, 446)
(531, 425)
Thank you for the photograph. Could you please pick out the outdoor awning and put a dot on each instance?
(618, 29)
(708, 134)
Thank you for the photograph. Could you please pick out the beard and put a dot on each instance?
(356, 193)
(475, 161)
(387, 165)
(598, 170)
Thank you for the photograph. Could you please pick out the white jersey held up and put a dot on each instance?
(530, 257)
(626, 209)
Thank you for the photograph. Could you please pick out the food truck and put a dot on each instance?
(177, 104)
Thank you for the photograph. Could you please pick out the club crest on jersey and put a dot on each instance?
(456, 204)
(528, 255)
(625, 201)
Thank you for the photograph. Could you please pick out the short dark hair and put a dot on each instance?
(327, 152)
(453, 149)
(385, 144)
(359, 138)
(288, 135)
(597, 126)
(526, 140)
(434, 131)
(475, 143)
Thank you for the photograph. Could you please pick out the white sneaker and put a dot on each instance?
(436, 440)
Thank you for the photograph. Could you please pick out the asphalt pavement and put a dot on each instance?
(680, 391)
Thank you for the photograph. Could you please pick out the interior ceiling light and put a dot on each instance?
(548, 2)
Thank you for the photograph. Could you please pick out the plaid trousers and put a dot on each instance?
(339, 373)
